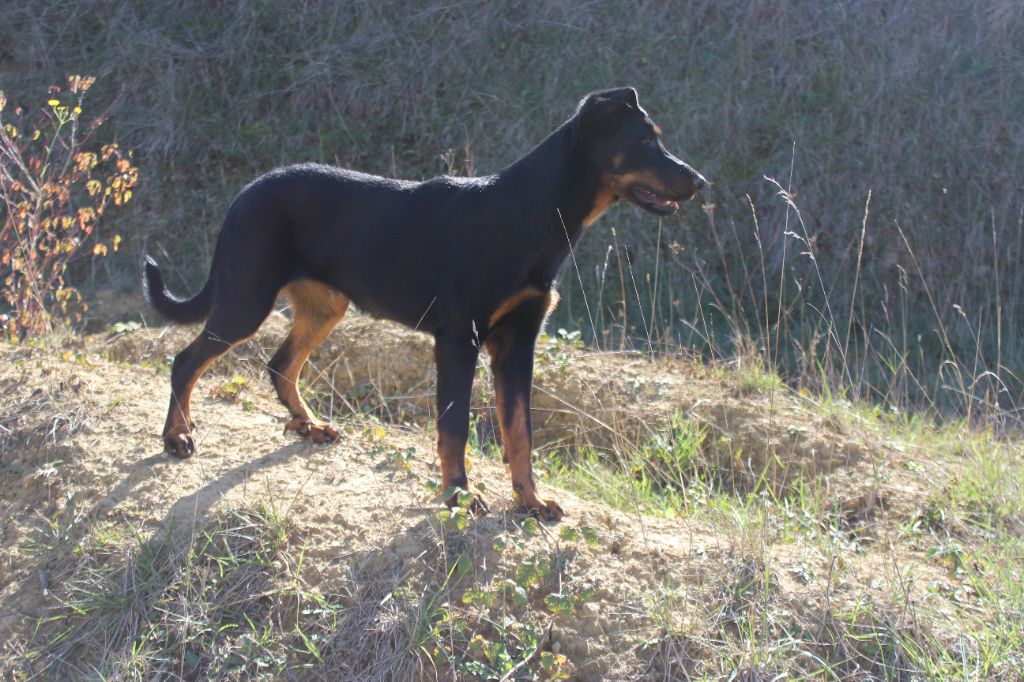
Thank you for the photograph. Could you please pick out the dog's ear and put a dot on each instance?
(616, 98)
(629, 97)
(601, 113)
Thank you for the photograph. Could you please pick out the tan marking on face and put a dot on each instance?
(513, 302)
(617, 160)
(621, 184)
(604, 199)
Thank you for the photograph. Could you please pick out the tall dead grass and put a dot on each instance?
(914, 300)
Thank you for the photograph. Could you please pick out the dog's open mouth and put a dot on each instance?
(654, 202)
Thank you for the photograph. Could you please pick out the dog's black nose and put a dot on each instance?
(698, 181)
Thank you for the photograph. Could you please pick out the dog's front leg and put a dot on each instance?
(456, 364)
(511, 349)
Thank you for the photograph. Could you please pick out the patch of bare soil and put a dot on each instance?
(580, 398)
(80, 439)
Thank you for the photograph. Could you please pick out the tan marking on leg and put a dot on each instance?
(306, 334)
(513, 302)
(316, 297)
(518, 446)
(316, 310)
(451, 455)
(553, 298)
(180, 414)
(178, 425)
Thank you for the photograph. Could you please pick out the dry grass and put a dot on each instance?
(917, 106)
(211, 602)
(859, 244)
(732, 569)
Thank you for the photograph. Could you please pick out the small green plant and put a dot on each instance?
(557, 349)
(664, 474)
(231, 391)
(498, 627)
(401, 457)
(951, 555)
(673, 459)
(566, 600)
(457, 517)
(754, 378)
(569, 534)
(55, 185)
(585, 533)
(513, 646)
(58, 531)
(124, 327)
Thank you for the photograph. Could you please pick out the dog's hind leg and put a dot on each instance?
(230, 323)
(316, 309)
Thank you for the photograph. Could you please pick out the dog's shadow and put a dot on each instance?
(195, 505)
(381, 607)
(389, 592)
(394, 599)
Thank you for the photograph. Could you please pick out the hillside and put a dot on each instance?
(898, 132)
(785, 423)
(803, 537)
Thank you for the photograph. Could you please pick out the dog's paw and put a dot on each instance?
(178, 442)
(315, 433)
(477, 506)
(322, 433)
(545, 510)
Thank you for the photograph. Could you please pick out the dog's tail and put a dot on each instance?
(180, 311)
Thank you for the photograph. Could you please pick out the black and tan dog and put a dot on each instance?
(469, 260)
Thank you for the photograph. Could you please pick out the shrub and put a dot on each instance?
(55, 185)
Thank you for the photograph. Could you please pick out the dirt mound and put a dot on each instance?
(581, 397)
(82, 442)
(81, 462)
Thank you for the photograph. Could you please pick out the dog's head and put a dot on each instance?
(622, 141)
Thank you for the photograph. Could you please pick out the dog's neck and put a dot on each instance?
(562, 188)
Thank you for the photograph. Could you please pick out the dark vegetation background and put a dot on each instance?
(913, 300)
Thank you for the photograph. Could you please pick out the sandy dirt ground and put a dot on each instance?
(82, 422)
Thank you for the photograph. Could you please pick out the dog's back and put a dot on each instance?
(391, 246)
